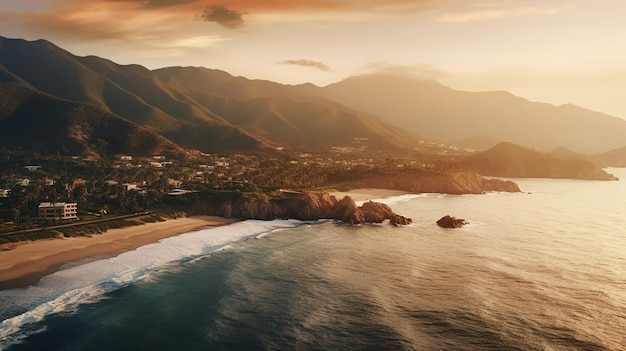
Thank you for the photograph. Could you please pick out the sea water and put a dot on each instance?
(544, 269)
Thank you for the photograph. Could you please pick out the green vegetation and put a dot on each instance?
(28, 236)
(110, 190)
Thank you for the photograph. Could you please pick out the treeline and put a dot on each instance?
(101, 187)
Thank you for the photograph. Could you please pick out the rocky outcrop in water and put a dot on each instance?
(303, 206)
(448, 221)
(347, 211)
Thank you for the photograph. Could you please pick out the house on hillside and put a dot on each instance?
(58, 210)
(174, 182)
(130, 186)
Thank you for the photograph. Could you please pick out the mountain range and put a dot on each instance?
(52, 100)
(170, 110)
(476, 119)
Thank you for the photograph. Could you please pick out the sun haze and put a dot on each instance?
(555, 51)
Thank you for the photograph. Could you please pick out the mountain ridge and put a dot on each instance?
(213, 111)
(179, 103)
(74, 127)
(515, 161)
(442, 114)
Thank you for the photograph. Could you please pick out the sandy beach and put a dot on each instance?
(28, 263)
(367, 194)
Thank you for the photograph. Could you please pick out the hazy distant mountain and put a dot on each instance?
(478, 143)
(563, 152)
(213, 111)
(442, 114)
(198, 108)
(515, 161)
(612, 158)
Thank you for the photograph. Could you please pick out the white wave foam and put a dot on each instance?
(390, 200)
(66, 289)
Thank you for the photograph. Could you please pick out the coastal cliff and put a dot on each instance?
(294, 205)
(321, 205)
(454, 183)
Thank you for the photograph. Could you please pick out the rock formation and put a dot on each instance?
(448, 221)
(399, 220)
(454, 183)
(376, 212)
(347, 211)
(302, 206)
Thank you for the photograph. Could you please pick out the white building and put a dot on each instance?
(129, 186)
(58, 210)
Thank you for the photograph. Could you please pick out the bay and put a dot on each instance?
(540, 270)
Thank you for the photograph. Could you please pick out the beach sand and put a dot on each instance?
(27, 263)
(367, 194)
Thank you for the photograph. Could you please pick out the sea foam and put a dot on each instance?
(390, 200)
(66, 289)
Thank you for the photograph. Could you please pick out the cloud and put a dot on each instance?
(500, 13)
(197, 41)
(120, 22)
(153, 21)
(422, 71)
(307, 63)
(275, 6)
(224, 16)
(153, 4)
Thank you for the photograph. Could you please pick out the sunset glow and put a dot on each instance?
(556, 51)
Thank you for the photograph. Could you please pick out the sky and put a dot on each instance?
(554, 51)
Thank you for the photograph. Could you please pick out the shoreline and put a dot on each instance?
(27, 263)
(366, 194)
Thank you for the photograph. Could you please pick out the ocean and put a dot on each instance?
(540, 270)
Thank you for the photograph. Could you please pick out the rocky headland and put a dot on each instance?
(304, 206)
(314, 205)
(515, 161)
(454, 183)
